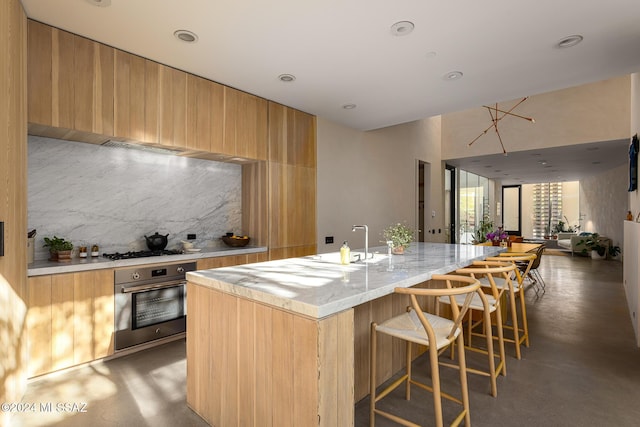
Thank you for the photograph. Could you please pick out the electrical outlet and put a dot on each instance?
(328, 240)
(191, 236)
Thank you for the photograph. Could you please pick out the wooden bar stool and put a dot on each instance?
(435, 332)
(488, 304)
(520, 327)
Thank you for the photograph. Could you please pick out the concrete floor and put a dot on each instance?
(582, 369)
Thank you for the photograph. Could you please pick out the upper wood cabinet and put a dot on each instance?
(292, 136)
(205, 115)
(245, 125)
(136, 81)
(70, 81)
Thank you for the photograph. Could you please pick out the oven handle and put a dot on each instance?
(149, 287)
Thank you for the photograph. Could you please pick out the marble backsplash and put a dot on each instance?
(113, 197)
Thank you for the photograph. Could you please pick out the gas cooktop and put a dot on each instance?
(140, 254)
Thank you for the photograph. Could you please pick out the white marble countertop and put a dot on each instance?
(40, 268)
(319, 286)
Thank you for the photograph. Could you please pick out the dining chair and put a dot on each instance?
(436, 333)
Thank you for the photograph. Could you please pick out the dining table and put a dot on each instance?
(517, 247)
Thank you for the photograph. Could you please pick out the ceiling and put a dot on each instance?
(344, 52)
(558, 164)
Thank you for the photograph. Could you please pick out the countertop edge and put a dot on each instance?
(42, 268)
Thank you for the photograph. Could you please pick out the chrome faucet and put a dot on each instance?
(366, 238)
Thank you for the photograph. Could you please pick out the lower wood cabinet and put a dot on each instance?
(70, 319)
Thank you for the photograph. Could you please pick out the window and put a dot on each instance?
(547, 208)
(473, 192)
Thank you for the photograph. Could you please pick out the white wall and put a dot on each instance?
(583, 114)
(603, 203)
(370, 178)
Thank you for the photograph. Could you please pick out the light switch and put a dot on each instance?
(433, 214)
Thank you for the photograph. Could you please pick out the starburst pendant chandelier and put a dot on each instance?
(497, 115)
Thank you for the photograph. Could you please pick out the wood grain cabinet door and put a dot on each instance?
(205, 115)
(39, 325)
(70, 81)
(245, 125)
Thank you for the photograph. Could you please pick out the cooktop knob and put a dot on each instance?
(135, 276)
(180, 270)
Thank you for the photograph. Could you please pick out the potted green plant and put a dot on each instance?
(59, 248)
(480, 235)
(593, 244)
(400, 237)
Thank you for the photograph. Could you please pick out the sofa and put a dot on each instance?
(571, 241)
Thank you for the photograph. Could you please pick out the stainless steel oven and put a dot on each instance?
(151, 303)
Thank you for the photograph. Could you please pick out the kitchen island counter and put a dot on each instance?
(318, 286)
(280, 342)
(41, 268)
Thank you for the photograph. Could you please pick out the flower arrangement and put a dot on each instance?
(497, 236)
(398, 234)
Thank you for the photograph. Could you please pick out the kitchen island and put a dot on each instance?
(285, 342)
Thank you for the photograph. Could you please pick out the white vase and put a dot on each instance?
(595, 255)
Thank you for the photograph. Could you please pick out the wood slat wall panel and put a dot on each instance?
(247, 361)
(264, 352)
(13, 202)
(281, 372)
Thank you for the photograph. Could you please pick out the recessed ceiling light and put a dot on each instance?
(349, 106)
(100, 3)
(402, 28)
(186, 36)
(287, 78)
(453, 75)
(569, 41)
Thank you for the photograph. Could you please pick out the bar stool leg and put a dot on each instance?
(372, 376)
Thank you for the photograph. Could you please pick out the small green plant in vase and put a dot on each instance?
(59, 248)
(400, 237)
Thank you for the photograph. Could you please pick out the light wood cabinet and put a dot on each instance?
(292, 182)
(134, 87)
(70, 81)
(205, 115)
(70, 319)
(245, 125)
(292, 136)
(172, 110)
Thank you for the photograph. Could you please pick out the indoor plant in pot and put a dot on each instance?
(593, 244)
(400, 237)
(59, 248)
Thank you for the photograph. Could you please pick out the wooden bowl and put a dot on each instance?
(236, 241)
